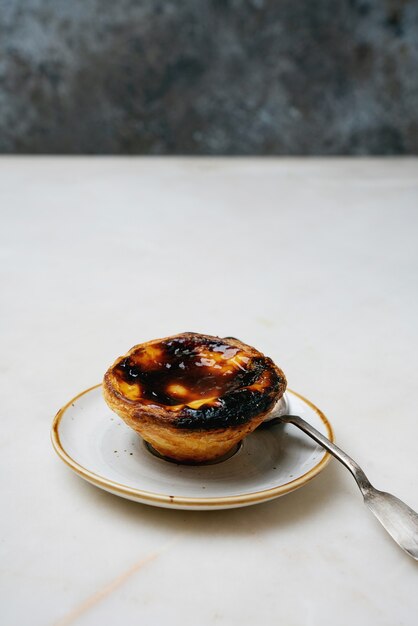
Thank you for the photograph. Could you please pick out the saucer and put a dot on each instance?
(96, 444)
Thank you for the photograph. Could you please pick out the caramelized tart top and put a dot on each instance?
(195, 381)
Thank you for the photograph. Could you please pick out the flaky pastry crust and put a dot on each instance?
(193, 397)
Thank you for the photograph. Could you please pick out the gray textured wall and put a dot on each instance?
(219, 77)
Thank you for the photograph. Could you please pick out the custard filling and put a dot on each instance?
(188, 372)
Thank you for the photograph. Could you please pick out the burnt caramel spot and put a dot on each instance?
(209, 381)
(233, 409)
(183, 371)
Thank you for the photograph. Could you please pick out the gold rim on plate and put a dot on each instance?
(168, 500)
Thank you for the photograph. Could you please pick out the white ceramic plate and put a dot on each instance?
(271, 462)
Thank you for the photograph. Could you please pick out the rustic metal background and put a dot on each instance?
(197, 77)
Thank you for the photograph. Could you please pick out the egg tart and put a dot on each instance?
(193, 397)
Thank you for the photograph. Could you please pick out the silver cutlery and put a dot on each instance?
(400, 521)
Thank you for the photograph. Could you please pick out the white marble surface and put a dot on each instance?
(315, 263)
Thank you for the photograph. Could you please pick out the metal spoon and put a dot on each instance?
(396, 517)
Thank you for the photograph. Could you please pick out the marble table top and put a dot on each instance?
(315, 263)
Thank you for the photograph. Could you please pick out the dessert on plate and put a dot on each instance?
(193, 397)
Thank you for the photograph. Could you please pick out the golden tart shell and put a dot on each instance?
(193, 397)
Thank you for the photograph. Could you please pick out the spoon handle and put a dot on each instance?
(361, 478)
(400, 521)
